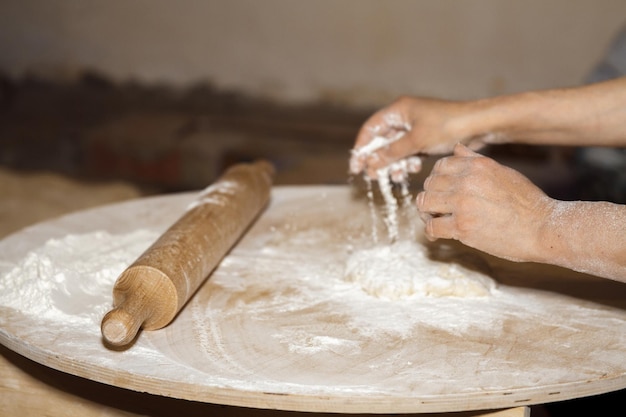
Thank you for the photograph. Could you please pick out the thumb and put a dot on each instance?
(462, 150)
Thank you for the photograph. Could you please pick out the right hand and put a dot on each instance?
(422, 125)
(412, 125)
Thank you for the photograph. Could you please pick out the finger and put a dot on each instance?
(398, 175)
(356, 163)
(392, 152)
(441, 227)
(435, 203)
(414, 164)
(377, 158)
(364, 137)
(367, 152)
(425, 217)
(463, 151)
(372, 127)
(441, 182)
(386, 123)
(400, 170)
(449, 165)
(457, 164)
(476, 143)
(381, 141)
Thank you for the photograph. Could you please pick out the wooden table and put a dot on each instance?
(258, 335)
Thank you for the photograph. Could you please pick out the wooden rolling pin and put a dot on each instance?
(151, 291)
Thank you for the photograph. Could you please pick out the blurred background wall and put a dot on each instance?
(165, 93)
(355, 52)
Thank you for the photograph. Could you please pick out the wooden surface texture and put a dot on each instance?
(260, 334)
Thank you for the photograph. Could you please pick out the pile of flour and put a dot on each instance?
(405, 269)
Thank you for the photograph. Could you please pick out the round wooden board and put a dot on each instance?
(276, 326)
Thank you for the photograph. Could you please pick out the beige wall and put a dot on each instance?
(347, 51)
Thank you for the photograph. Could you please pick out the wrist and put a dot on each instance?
(500, 119)
(549, 238)
(478, 120)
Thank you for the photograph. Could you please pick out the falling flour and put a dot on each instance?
(388, 177)
(396, 173)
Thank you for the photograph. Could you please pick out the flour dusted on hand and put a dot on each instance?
(406, 269)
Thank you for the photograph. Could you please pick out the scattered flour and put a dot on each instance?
(277, 319)
(303, 342)
(49, 280)
(405, 269)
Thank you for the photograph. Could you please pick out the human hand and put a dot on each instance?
(408, 126)
(485, 205)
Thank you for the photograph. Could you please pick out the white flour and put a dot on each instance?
(404, 270)
(278, 316)
(49, 280)
(391, 204)
(217, 194)
(380, 139)
(278, 319)
(396, 173)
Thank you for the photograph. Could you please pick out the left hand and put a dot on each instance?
(485, 205)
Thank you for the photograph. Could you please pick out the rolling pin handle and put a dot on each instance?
(120, 326)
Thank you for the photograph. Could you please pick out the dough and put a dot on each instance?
(410, 269)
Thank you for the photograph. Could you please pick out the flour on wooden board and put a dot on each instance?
(403, 268)
(83, 267)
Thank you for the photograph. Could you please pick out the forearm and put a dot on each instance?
(586, 237)
(593, 115)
